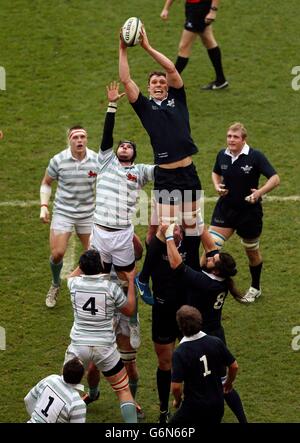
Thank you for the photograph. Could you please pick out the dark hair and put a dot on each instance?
(189, 320)
(158, 73)
(226, 266)
(73, 371)
(133, 145)
(90, 262)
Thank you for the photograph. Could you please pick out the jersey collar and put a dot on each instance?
(158, 102)
(94, 277)
(85, 159)
(213, 276)
(199, 334)
(244, 151)
(78, 386)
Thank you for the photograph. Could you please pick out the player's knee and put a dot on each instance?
(128, 357)
(57, 255)
(250, 245)
(132, 370)
(218, 238)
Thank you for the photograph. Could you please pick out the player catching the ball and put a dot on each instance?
(166, 119)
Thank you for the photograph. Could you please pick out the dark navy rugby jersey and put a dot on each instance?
(165, 282)
(205, 293)
(199, 363)
(242, 175)
(167, 125)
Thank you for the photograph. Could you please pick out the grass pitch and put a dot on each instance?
(58, 57)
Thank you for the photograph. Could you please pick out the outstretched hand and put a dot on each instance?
(113, 94)
(144, 42)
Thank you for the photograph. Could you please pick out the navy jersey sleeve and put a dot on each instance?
(178, 93)
(108, 128)
(224, 352)
(177, 367)
(140, 105)
(217, 166)
(265, 167)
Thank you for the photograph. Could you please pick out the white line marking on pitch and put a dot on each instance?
(70, 256)
(267, 198)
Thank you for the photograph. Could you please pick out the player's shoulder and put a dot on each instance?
(61, 155)
(143, 166)
(91, 153)
(222, 151)
(213, 341)
(256, 152)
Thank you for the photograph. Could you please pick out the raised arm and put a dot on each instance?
(173, 77)
(130, 306)
(175, 259)
(113, 96)
(131, 89)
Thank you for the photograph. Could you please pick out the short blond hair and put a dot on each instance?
(237, 126)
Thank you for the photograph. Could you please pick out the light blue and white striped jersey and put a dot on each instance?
(118, 190)
(75, 193)
(94, 298)
(53, 400)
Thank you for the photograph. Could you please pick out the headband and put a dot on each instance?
(77, 132)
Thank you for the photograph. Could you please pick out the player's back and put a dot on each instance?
(57, 402)
(95, 299)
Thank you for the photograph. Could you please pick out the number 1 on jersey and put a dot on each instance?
(206, 370)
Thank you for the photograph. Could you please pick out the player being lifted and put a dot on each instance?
(166, 119)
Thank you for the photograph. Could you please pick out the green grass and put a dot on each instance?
(58, 57)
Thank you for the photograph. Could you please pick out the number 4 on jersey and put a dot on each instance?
(92, 309)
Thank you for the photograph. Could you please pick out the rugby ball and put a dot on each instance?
(131, 31)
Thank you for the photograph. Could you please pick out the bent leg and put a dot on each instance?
(118, 379)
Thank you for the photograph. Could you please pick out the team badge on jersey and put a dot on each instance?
(246, 169)
(131, 177)
(92, 174)
(171, 103)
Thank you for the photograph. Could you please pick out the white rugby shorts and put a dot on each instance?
(104, 357)
(62, 223)
(115, 247)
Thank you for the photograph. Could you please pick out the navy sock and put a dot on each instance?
(234, 401)
(181, 63)
(216, 60)
(255, 272)
(163, 380)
